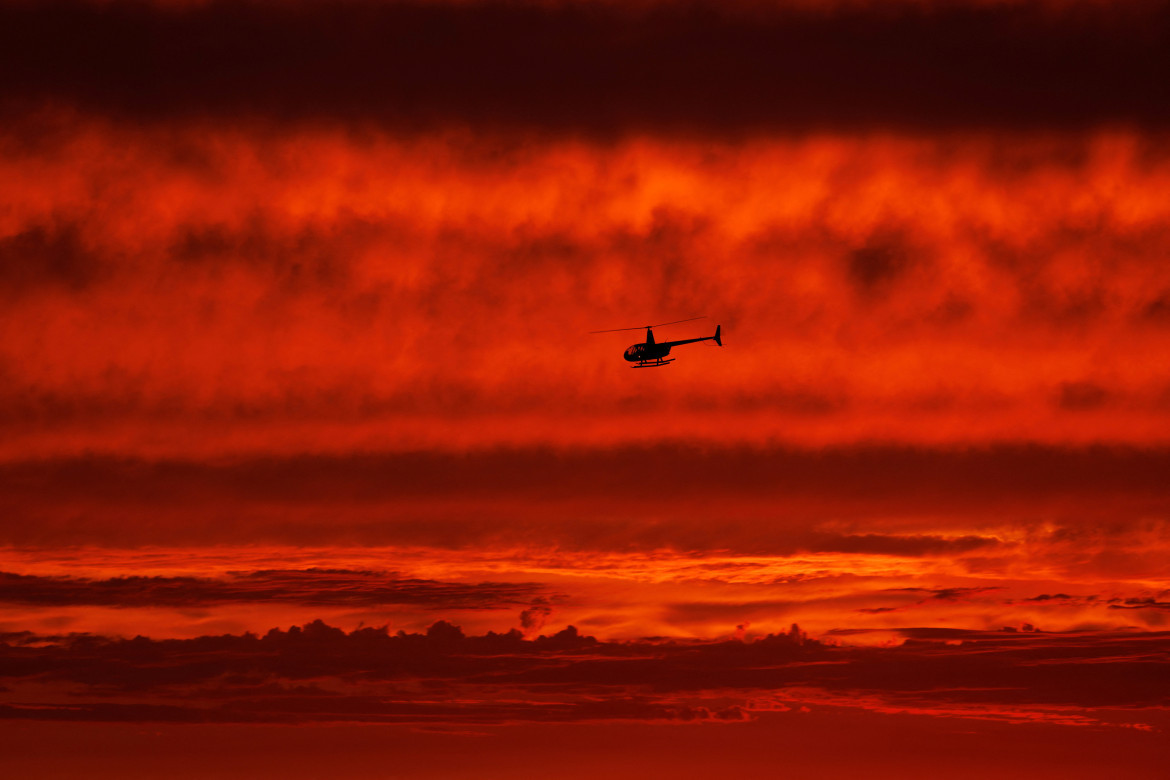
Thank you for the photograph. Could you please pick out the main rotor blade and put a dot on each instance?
(690, 319)
(643, 327)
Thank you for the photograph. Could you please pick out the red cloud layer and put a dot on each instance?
(203, 291)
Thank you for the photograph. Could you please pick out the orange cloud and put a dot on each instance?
(206, 290)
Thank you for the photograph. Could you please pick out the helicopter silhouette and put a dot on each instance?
(651, 353)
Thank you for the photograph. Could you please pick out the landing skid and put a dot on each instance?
(652, 363)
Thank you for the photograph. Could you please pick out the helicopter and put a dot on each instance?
(651, 353)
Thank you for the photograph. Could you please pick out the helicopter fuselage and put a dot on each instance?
(641, 352)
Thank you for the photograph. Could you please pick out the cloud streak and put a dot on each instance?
(311, 587)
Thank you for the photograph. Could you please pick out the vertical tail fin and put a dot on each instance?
(718, 340)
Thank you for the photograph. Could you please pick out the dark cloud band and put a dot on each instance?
(591, 498)
(596, 68)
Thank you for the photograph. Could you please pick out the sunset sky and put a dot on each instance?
(311, 464)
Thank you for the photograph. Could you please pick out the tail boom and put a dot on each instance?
(717, 338)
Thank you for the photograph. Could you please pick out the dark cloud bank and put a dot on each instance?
(320, 673)
(597, 67)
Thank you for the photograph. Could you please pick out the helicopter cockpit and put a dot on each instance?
(635, 352)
